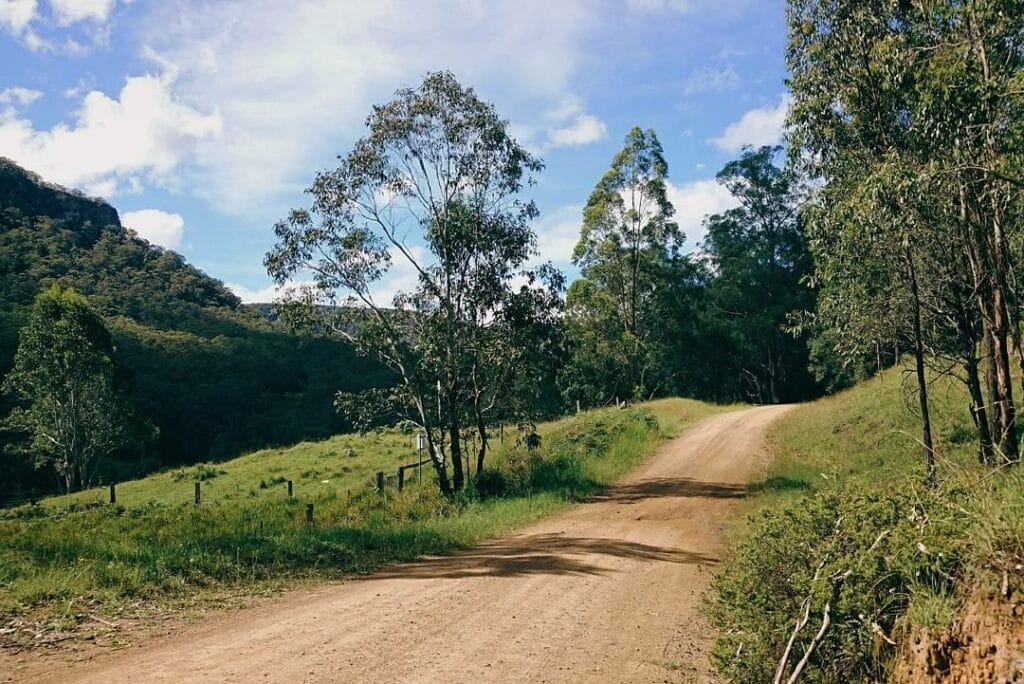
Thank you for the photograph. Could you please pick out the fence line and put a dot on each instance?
(381, 482)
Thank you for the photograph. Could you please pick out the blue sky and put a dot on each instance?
(202, 122)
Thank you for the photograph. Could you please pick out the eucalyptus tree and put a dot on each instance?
(435, 188)
(922, 102)
(73, 400)
(627, 252)
(759, 255)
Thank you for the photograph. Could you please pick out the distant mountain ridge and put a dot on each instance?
(216, 376)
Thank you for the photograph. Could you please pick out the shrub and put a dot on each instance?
(862, 552)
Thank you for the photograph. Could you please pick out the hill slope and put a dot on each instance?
(215, 376)
(845, 522)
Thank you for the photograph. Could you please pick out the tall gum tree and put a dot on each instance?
(628, 246)
(436, 187)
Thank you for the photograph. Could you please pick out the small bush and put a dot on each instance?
(200, 473)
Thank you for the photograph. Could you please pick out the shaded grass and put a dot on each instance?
(844, 517)
(154, 544)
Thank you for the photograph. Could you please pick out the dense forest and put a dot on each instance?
(214, 377)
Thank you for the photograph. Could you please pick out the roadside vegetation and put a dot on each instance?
(844, 525)
(156, 546)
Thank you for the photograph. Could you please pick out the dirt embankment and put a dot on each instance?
(986, 645)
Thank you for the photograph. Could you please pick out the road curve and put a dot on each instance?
(608, 591)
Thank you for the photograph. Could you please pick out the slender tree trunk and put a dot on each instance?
(1004, 381)
(455, 438)
(978, 412)
(442, 475)
(995, 407)
(922, 380)
(481, 429)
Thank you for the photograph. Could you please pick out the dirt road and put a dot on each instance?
(607, 592)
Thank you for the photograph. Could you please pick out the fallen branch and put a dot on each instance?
(826, 620)
(800, 624)
(100, 620)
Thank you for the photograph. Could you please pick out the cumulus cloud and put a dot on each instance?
(69, 11)
(259, 295)
(12, 98)
(763, 126)
(38, 30)
(159, 227)
(584, 130)
(145, 133)
(293, 81)
(696, 200)
(566, 124)
(15, 15)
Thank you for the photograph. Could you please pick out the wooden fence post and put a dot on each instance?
(380, 481)
(401, 478)
(289, 489)
(198, 495)
(309, 514)
(113, 494)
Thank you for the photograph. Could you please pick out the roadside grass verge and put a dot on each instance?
(844, 519)
(154, 546)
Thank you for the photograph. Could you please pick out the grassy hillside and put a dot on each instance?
(155, 547)
(215, 377)
(844, 518)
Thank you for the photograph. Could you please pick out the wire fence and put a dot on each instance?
(199, 493)
(21, 497)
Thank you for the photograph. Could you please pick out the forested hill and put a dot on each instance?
(213, 375)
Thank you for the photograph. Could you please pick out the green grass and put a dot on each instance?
(844, 516)
(156, 545)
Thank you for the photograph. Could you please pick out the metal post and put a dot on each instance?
(113, 494)
(421, 444)
(198, 494)
(289, 489)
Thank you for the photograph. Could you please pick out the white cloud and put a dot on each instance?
(11, 98)
(757, 127)
(584, 130)
(261, 295)
(159, 227)
(694, 201)
(711, 79)
(23, 20)
(69, 11)
(145, 132)
(294, 81)
(15, 15)
(557, 234)
(566, 124)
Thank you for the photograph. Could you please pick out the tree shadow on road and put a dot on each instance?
(682, 487)
(540, 554)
